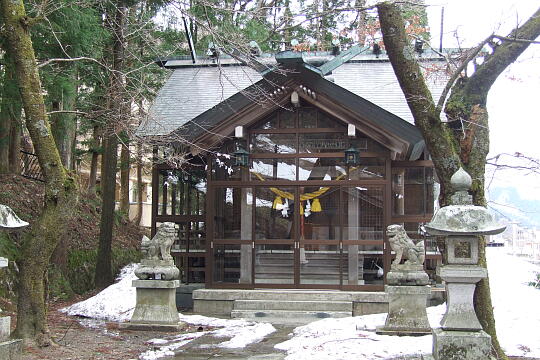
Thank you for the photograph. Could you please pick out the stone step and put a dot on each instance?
(285, 317)
(289, 295)
(298, 305)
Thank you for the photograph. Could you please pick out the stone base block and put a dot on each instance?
(11, 350)
(410, 277)
(156, 284)
(152, 327)
(213, 307)
(5, 328)
(383, 330)
(184, 295)
(366, 308)
(407, 313)
(461, 345)
(156, 303)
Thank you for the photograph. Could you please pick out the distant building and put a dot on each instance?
(520, 240)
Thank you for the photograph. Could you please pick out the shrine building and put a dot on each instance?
(284, 174)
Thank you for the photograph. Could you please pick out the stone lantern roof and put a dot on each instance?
(10, 220)
(462, 217)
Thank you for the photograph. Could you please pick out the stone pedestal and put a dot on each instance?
(407, 300)
(5, 327)
(460, 284)
(156, 306)
(407, 275)
(9, 349)
(461, 345)
(156, 269)
(406, 311)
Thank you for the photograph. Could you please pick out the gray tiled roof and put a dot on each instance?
(377, 83)
(193, 89)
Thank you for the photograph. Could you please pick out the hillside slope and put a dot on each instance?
(76, 264)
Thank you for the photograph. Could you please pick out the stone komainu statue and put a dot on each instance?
(404, 247)
(159, 247)
(157, 262)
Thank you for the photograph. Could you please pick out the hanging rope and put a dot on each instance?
(315, 205)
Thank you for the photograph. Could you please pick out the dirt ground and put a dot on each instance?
(86, 339)
(104, 341)
(94, 341)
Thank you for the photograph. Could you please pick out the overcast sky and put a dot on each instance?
(514, 99)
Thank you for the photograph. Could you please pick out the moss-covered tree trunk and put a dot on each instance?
(467, 102)
(15, 141)
(64, 124)
(60, 190)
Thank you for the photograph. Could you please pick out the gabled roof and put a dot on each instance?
(207, 130)
(374, 121)
(193, 89)
(201, 103)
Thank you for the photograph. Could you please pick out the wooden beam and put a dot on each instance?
(385, 138)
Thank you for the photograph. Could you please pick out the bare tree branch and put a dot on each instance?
(82, 113)
(473, 53)
(50, 61)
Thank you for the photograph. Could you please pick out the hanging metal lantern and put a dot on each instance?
(241, 157)
(352, 156)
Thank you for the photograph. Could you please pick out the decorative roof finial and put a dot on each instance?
(461, 182)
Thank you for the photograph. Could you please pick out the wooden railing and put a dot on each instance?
(30, 166)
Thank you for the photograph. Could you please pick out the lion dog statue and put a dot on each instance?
(160, 245)
(404, 247)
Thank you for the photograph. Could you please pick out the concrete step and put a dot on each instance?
(289, 295)
(298, 305)
(285, 317)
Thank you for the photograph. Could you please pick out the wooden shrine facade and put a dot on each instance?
(297, 214)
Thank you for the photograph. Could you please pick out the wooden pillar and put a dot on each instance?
(155, 191)
(246, 250)
(399, 192)
(353, 224)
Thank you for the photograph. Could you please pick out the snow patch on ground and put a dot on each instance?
(240, 332)
(517, 317)
(174, 344)
(516, 307)
(354, 337)
(114, 303)
(117, 302)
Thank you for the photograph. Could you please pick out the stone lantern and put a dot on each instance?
(9, 349)
(461, 223)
